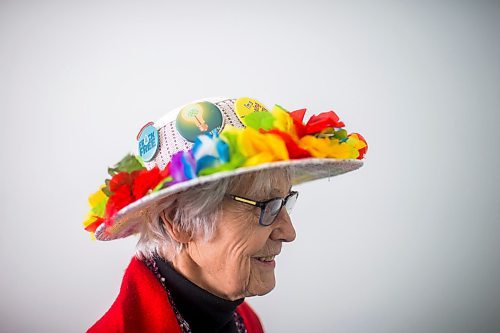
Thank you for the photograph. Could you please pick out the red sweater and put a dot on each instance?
(143, 306)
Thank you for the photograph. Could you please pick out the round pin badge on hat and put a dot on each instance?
(245, 105)
(197, 118)
(147, 142)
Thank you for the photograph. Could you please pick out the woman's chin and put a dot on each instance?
(263, 284)
(266, 291)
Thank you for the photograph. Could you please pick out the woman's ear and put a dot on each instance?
(173, 229)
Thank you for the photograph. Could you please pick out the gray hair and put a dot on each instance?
(196, 210)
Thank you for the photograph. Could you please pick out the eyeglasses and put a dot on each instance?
(271, 208)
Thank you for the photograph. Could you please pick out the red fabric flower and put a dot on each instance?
(298, 121)
(147, 180)
(322, 121)
(118, 199)
(127, 187)
(119, 180)
(294, 151)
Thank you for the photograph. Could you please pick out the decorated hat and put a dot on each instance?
(207, 140)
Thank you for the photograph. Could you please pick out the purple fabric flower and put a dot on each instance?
(182, 167)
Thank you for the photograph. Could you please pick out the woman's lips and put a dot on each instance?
(266, 261)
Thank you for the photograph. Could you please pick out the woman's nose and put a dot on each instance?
(283, 228)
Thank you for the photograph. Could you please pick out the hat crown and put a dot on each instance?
(180, 126)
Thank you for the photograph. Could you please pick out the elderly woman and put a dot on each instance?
(209, 195)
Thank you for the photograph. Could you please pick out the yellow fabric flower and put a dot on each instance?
(354, 141)
(89, 219)
(328, 148)
(97, 202)
(261, 148)
(283, 121)
(98, 197)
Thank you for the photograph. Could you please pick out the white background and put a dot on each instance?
(409, 243)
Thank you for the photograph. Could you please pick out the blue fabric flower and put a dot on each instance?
(209, 151)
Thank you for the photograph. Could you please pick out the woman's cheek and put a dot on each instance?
(236, 277)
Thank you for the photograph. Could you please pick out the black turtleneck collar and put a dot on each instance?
(203, 311)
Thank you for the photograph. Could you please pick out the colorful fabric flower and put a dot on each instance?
(260, 120)
(282, 121)
(121, 196)
(294, 150)
(328, 148)
(129, 182)
(147, 180)
(97, 202)
(359, 143)
(298, 121)
(261, 148)
(319, 122)
(210, 151)
(183, 166)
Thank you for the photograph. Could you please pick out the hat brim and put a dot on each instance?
(127, 220)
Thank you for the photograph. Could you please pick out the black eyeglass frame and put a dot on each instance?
(263, 204)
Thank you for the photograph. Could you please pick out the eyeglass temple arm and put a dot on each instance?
(246, 201)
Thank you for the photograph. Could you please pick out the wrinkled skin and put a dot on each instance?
(226, 265)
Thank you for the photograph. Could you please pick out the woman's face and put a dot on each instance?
(238, 261)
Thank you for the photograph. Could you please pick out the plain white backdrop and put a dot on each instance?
(409, 243)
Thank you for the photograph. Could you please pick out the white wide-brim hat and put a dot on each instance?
(215, 138)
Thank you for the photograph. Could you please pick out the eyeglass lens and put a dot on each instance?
(273, 208)
(290, 203)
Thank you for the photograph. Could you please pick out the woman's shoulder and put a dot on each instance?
(141, 305)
